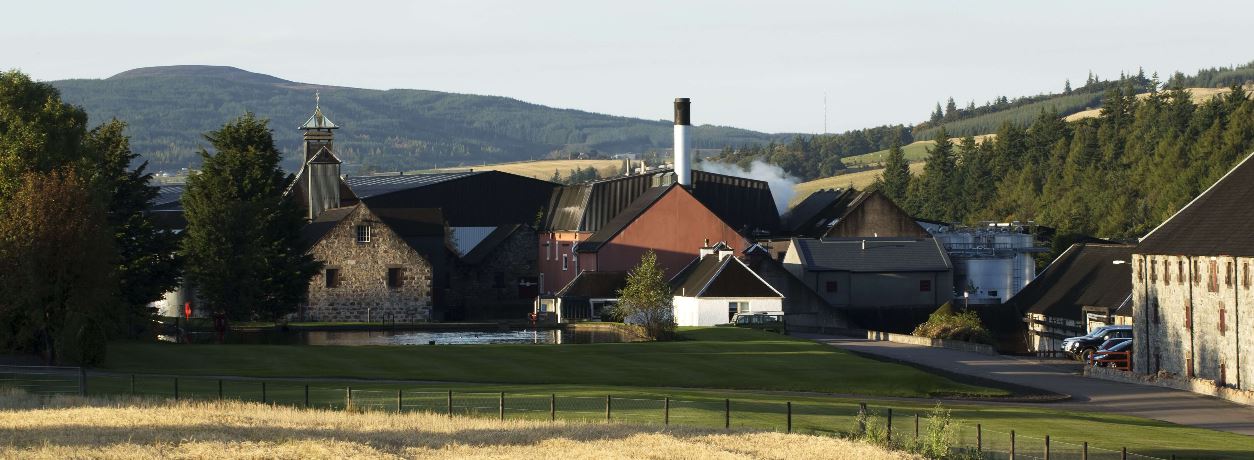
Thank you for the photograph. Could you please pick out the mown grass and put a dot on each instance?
(724, 358)
(137, 428)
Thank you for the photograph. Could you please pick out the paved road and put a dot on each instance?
(1088, 394)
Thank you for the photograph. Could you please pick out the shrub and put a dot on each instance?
(950, 325)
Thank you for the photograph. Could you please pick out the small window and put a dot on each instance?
(736, 307)
(1154, 271)
(1167, 271)
(565, 262)
(1245, 275)
(992, 293)
(332, 276)
(1180, 270)
(396, 277)
(1213, 285)
(832, 286)
(498, 280)
(547, 254)
(1196, 278)
(1223, 324)
(1228, 274)
(925, 285)
(1188, 316)
(363, 234)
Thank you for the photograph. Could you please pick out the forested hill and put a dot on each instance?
(168, 108)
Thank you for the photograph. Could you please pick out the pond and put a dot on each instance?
(396, 338)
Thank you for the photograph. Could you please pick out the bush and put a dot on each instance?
(948, 325)
(82, 343)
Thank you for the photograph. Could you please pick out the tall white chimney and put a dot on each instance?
(683, 157)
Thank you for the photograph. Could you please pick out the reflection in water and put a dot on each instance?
(387, 338)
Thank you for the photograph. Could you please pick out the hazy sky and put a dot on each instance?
(762, 65)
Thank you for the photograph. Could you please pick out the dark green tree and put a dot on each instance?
(938, 184)
(646, 299)
(895, 181)
(242, 244)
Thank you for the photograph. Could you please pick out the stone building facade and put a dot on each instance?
(498, 279)
(371, 273)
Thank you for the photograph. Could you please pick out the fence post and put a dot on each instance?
(400, 400)
(132, 384)
(1084, 454)
(306, 395)
(789, 417)
(979, 438)
(916, 425)
(1046, 447)
(263, 392)
(450, 403)
(82, 381)
(607, 408)
(348, 397)
(1124, 454)
(553, 407)
(726, 414)
(862, 418)
(1012, 444)
(219, 389)
(501, 408)
(176, 388)
(666, 411)
(889, 436)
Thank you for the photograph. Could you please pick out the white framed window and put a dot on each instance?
(363, 234)
(736, 307)
(565, 262)
(546, 251)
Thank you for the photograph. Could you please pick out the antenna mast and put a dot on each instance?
(825, 112)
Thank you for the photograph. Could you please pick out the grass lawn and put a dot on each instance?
(723, 358)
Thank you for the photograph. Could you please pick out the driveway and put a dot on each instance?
(1087, 394)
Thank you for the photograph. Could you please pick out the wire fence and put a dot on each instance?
(845, 420)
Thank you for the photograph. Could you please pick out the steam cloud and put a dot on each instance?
(781, 182)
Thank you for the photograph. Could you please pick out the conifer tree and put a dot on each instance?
(895, 181)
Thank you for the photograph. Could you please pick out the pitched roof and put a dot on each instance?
(874, 214)
(1084, 275)
(812, 216)
(490, 243)
(595, 285)
(313, 232)
(623, 219)
(714, 276)
(371, 186)
(1214, 223)
(872, 254)
(318, 121)
(169, 197)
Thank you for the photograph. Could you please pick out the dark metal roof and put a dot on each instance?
(169, 197)
(624, 218)
(595, 285)
(489, 244)
(712, 276)
(812, 216)
(1213, 224)
(313, 232)
(872, 254)
(371, 186)
(873, 214)
(744, 204)
(1084, 275)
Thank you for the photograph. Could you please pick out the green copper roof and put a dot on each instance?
(318, 121)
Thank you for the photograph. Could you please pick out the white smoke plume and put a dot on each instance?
(781, 182)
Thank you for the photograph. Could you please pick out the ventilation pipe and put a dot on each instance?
(683, 157)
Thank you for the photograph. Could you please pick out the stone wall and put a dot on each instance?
(363, 292)
(1188, 316)
(490, 289)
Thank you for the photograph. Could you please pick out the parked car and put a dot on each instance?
(765, 321)
(1123, 345)
(1083, 347)
(1112, 342)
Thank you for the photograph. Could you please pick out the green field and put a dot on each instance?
(915, 151)
(725, 358)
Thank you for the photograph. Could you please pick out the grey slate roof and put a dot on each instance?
(1084, 275)
(370, 186)
(1215, 223)
(812, 216)
(872, 254)
(710, 276)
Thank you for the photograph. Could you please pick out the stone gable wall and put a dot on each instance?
(474, 290)
(363, 293)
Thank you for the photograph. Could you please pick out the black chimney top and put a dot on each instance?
(682, 111)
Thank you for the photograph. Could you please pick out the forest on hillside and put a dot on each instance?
(169, 108)
(1113, 176)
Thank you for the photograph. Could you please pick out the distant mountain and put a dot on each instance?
(169, 108)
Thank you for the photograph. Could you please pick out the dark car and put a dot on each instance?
(1105, 346)
(1125, 345)
(763, 321)
(1083, 347)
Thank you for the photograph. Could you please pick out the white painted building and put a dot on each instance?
(716, 286)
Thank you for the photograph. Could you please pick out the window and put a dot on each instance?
(395, 277)
(1188, 364)
(363, 234)
(1167, 271)
(1154, 271)
(1196, 278)
(498, 280)
(925, 285)
(1180, 270)
(547, 254)
(1245, 275)
(1188, 316)
(1228, 274)
(1140, 268)
(1223, 324)
(736, 307)
(832, 286)
(1213, 284)
(565, 262)
(332, 277)
(992, 293)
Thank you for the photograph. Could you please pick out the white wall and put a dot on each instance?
(692, 311)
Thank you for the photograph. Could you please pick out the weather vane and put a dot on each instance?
(317, 99)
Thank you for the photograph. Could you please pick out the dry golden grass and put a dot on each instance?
(96, 428)
(1198, 95)
(543, 169)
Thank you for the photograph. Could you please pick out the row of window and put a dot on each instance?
(1182, 275)
(396, 277)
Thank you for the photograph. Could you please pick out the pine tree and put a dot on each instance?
(1066, 87)
(895, 181)
(938, 181)
(951, 109)
(242, 244)
(937, 114)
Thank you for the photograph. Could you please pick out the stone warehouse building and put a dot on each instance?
(1193, 291)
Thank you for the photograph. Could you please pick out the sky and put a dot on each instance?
(761, 65)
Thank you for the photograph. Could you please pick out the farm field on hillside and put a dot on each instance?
(725, 358)
(541, 169)
(1198, 95)
(859, 180)
(158, 429)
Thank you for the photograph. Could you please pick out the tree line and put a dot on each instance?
(812, 157)
(84, 256)
(1114, 176)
